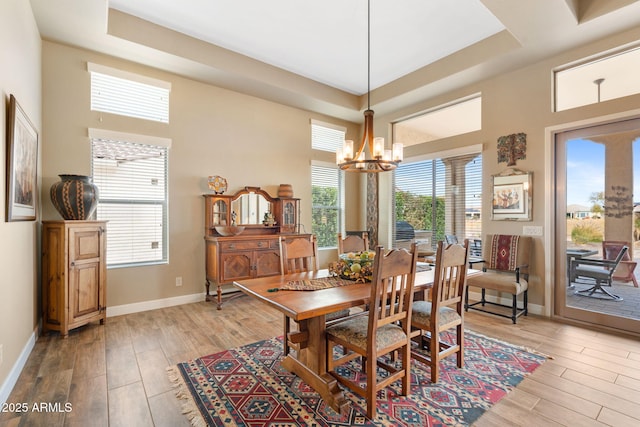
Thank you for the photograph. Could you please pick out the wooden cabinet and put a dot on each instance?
(73, 274)
(256, 251)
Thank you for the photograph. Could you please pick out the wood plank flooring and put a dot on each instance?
(114, 375)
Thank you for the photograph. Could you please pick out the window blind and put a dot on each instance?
(440, 196)
(141, 97)
(326, 137)
(132, 182)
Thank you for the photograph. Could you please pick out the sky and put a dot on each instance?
(585, 170)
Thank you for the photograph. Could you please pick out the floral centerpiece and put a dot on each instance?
(356, 266)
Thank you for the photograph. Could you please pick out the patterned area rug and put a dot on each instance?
(247, 386)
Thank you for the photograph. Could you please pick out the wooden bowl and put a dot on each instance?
(229, 230)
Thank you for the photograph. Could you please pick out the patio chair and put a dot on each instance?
(599, 270)
(626, 269)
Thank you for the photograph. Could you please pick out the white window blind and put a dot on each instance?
(132, 182)
(326, 137)
(128, 94)
(441, 196)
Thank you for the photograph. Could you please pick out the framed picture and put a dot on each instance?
(512, 196)
(22, 165)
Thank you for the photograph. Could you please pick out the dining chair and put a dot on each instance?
(353, 243)
(298, 255)
(383, 331)
(505, 269)
(445, 310)
(626, 269)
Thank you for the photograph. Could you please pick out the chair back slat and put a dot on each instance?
(298, 254)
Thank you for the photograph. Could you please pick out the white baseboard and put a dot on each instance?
(532, 308)
(137, 307)
(17, 368)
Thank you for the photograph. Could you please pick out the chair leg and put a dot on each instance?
(514, 308)
(525, 299)
(370, 395)
(460, 342)
(466, 299)
(482, 299)
(434, 347)
(406, 365)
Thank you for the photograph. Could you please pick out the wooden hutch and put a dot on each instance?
(253, 252)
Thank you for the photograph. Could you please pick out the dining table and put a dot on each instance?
(309, 308)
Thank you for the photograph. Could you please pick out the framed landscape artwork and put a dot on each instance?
(22, 165)
(512, 196)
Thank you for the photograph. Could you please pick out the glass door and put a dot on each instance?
(597, 191)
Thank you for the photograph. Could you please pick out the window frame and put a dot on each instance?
(144, 140)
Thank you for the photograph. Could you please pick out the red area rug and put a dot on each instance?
(246, 386)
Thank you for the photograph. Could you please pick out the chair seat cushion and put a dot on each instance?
(355, 332)
(421, 315)
(593, 272)
(503, 282)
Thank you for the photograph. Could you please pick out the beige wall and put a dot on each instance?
(214, 131)
(19, 75)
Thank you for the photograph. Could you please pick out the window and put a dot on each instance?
(440, 196)
(456, 118)
(327, 187)
(326, 204)
(131, 174)
(605, 78)
(128, 94)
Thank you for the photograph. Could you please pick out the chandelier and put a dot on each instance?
(376, 158)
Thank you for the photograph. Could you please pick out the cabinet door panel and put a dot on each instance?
(85, 243)
(235, 266)
(267, 263)
(84, 290)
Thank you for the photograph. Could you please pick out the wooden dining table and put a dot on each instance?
(309, 309)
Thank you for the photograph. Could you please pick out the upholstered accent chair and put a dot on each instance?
(625, 272)
(386, 329)
(445, 310)
(505, 270)
(353, 243)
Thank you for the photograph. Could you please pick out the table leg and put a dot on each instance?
(311, 364)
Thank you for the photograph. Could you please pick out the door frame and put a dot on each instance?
(556, 265)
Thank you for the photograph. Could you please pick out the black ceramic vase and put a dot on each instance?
(75, 196)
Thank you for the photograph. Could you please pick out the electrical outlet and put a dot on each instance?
(179, 281)
(532, 230)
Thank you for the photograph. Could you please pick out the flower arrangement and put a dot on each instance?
(356, 266)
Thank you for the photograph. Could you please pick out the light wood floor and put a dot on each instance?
(115, 374)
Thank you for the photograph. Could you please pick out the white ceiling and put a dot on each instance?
(313, 55)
